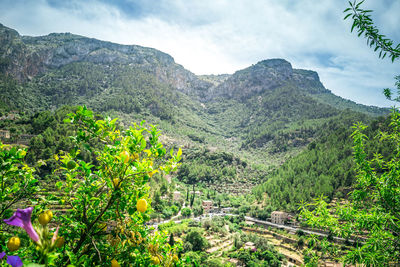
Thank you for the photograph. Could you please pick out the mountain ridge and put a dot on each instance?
(43, 53)
(55, 50)
(255, 105)
(261, 114)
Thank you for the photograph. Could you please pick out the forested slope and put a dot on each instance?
(325, 167)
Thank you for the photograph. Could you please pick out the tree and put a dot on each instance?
(186, 212)
(106, 198)
(364, 24)
(196, 239)
(171, 240)
(112, 190)
(372, 217)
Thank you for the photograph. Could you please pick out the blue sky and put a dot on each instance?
(222, 36)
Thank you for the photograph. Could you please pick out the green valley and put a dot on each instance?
(263, 139)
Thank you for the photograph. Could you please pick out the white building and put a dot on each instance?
(279, 217)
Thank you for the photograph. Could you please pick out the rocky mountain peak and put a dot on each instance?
(6, 32)
(275, 63)
(265, 76)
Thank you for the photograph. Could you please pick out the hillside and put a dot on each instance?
(259, 116)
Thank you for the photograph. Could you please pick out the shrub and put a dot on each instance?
(174, 209)
(196, 239)
(186, 212)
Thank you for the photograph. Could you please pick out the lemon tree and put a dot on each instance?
(107, 199)
(17, 183)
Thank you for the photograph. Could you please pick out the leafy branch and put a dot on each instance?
(364, 24)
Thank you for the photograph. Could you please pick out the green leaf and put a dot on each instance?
(142, 144)
(131, 210)
(354, 25)
(348, 15)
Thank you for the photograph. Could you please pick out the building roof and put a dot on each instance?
(279, 212)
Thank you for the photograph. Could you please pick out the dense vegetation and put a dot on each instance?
(325, 167)
(372, 215)
(224, 170)
(199, 238)
(110, 192)
(267, 125)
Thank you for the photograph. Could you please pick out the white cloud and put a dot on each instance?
(212, 36)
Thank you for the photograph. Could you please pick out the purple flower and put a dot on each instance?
(14, 261)
(22, 218)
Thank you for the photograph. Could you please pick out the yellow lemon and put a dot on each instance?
(60, 241)
(116, 182)
(49, 213)
(44, 218)
(114, 263)
(14, 243)
(155, 260)
(141, 205)
(124, 155)
(152, 173)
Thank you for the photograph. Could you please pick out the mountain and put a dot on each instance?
(270, 102)
(256, 117)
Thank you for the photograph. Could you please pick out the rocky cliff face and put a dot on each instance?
(29, 56)
(264, 76)
(16, 59)
(25, 57)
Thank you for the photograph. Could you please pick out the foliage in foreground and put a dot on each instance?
(372, 217)
(17, 181)
(106, 199)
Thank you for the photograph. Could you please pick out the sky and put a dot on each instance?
(223, 36)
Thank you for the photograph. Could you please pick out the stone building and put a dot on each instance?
(207, 205)
(279, 217)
